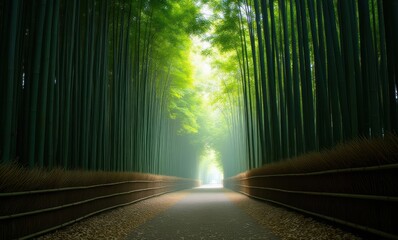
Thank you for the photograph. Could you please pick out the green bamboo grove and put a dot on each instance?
(108, 84)
(311, 74)
(98, 85)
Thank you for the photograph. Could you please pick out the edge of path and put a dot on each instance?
(117, 223)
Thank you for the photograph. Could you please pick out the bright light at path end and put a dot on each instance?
(210, 172)
(211, 186)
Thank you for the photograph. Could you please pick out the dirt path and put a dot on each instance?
(202, 214)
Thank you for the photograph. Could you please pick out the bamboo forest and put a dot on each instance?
(201, 90)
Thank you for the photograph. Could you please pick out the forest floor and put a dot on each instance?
(201, 214)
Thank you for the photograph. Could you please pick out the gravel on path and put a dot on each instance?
(121, 222)
(289, 225)
(118, 223)
(202, 214)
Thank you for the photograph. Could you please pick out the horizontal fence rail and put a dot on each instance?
(29, 214)
(364, 198)
(344, 170)
(341, 195)
(75, 188)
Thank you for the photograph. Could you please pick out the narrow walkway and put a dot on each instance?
(202, 214)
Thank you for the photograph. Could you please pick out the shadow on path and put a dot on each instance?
(202, 214)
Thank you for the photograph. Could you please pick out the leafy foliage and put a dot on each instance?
(312, 73)
(100, 85)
